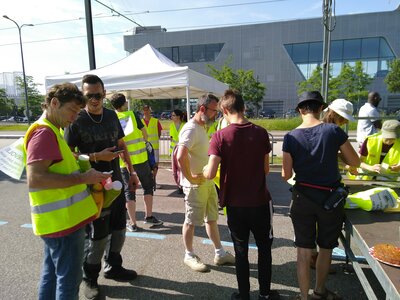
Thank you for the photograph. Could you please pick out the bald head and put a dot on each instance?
(374, 98)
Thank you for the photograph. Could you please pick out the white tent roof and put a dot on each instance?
(148, 74)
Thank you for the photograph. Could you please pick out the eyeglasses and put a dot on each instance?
(214, 110)
(97, 96)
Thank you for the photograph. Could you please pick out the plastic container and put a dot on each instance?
(84, 163)
(111, 194)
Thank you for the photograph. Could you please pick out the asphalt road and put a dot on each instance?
(157, 254)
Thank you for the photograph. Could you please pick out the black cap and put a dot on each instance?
(311, 96)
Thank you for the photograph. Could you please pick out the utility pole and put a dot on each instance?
(328, 28)
(89, 34)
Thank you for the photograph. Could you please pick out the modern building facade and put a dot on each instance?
(8, 82)
(284, 53)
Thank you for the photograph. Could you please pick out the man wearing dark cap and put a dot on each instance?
(366, 127)
(310, 151)
(380, 152)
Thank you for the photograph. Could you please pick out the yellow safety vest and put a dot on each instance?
(212, 129)
(58, 209)
(374, 146)
(134, 141)
(152, 132)
(174, 134)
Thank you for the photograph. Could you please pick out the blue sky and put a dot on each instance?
(57, 43)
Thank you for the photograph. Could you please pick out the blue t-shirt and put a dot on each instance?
(314, 151)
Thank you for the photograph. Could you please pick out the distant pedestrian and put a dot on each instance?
(154, 129)
(366, 127)
(243, 149)
(201, 200)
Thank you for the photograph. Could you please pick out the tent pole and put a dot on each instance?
(187, 103)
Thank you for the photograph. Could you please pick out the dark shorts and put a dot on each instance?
(312, 223)
(146, 179)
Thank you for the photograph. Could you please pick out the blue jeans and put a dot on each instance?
(62, 267)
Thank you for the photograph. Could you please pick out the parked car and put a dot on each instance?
(267, 113)
(165, 115)
(291, 113)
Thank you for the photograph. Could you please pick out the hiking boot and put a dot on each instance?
(120, 274)
(224, 260)
(195, 264)
(91, 289)
(153, 221)
(132, 227)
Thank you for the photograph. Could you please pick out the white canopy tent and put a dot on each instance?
(148, 74)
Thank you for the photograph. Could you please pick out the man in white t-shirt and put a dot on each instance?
(201, 199)
(366, 127)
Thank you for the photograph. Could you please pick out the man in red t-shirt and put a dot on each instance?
(243, 149)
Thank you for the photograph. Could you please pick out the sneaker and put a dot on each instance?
(120, 274)
(228, 258)
(273, 295)
(180, 191)
(91, 289)
(153, 221)
(132, 227)
(195, 264)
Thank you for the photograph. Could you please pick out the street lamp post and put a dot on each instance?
(23, 65)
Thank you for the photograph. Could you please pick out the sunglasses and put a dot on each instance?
(97, 96)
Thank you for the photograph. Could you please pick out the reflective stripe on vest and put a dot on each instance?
(152, 132)
(58, 204)
(58, 209)
(134, 141)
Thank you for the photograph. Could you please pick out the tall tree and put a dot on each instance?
(35, 99)
(244, 81)
(392, 78)
(353, 82)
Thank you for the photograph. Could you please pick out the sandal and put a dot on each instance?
(327, 295)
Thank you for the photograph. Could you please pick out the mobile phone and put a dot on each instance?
(118, 151)
(109, 172)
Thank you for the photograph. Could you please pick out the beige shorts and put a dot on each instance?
(201, 204)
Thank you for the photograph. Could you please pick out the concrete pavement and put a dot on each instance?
(157, 254)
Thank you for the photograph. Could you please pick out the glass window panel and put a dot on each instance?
(175, 54)
(303, 69)
(212, 51)
(311, 68)
(371, 67)
(185, 54)
(289, 48)
(370, 48)
(300, 53)
(384, 49)
(352, 49)
(167, 51)
(335, 67)
(199, 53)
(384, 64)
(336, 51)
(315, 52)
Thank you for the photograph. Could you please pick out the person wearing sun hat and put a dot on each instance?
(339, 112)
(380, 152)
(310, 151)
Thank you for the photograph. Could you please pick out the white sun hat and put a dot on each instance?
(343, 108)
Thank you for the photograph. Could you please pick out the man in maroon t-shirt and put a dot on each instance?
(243, 149)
